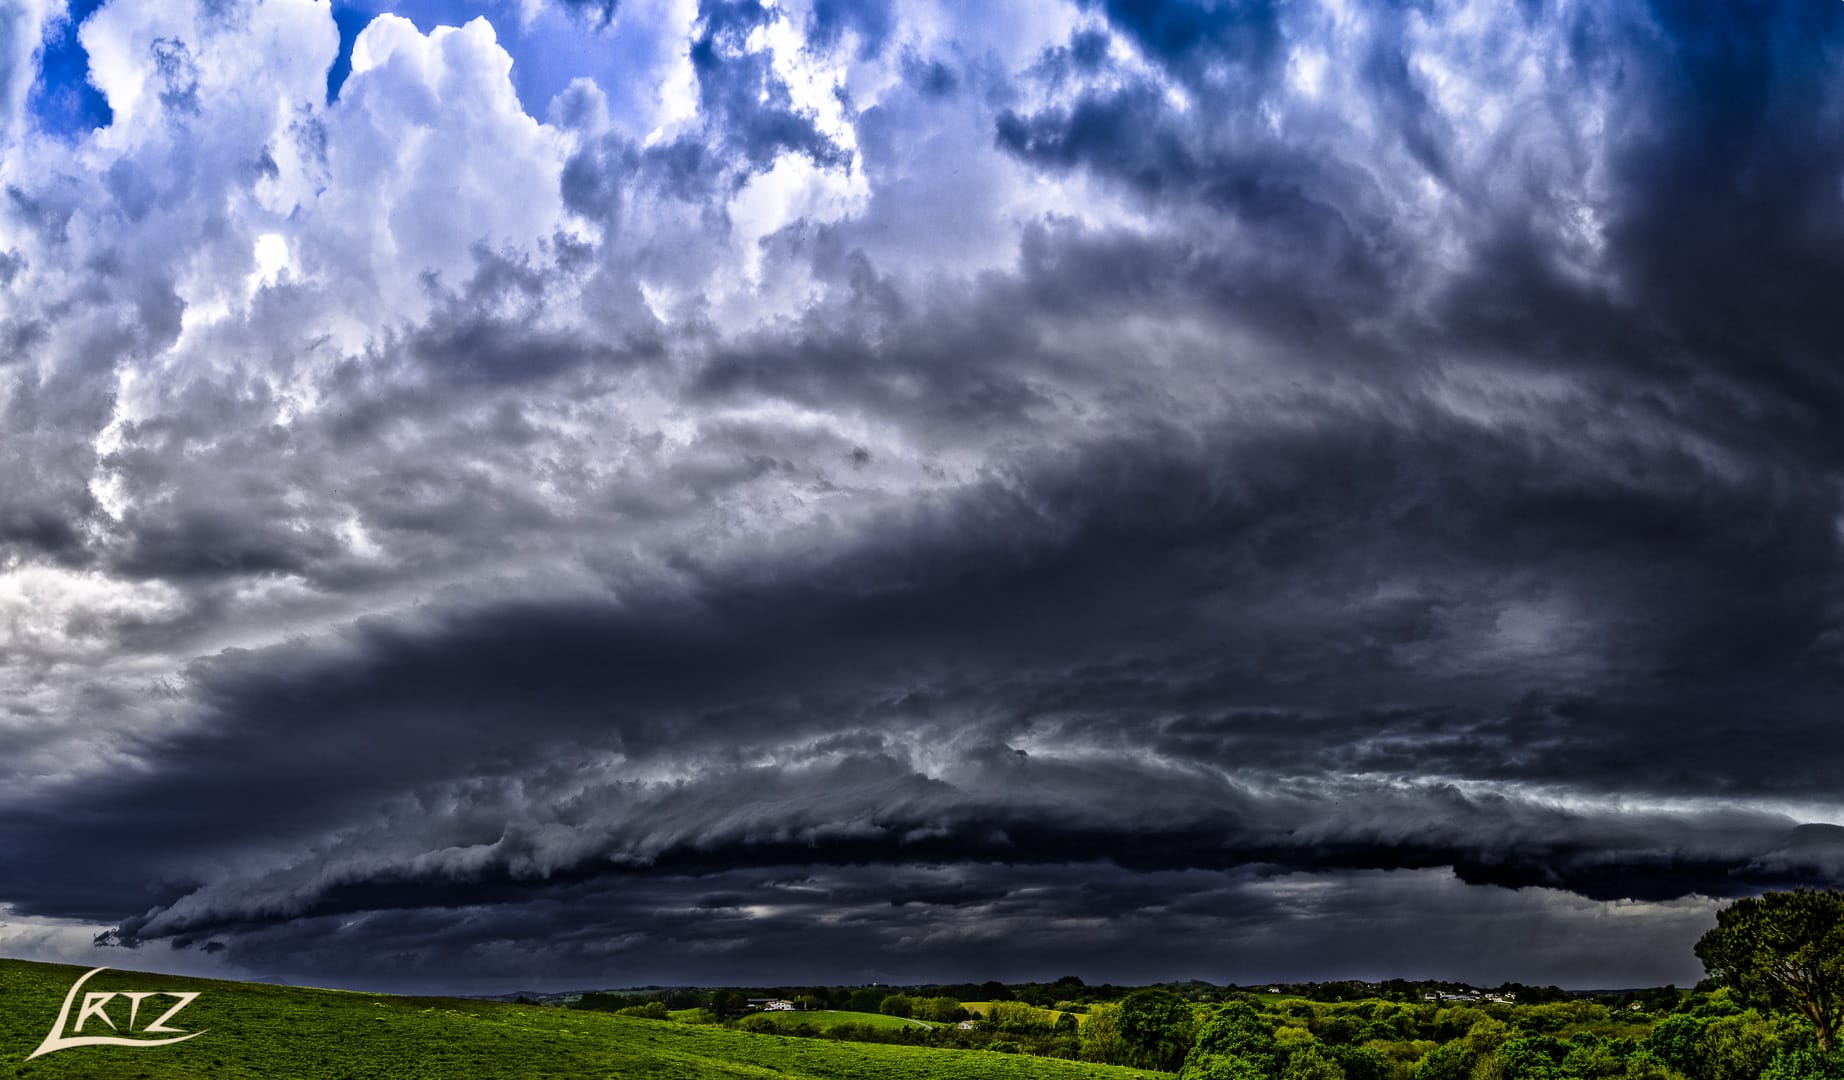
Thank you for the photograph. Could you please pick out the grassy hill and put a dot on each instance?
(826, 1019)
(254, 1030)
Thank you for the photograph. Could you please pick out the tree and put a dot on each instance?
(1100, 1035)
(1783, 950)
(866, 999)
(1308, 1062)
(1674, 1040)
(1237, 1030)
(1035, 994)
(1531, 1057)
(1220, 1067)
(1156, 1026)
(1449, 1061)
(1342, 1028)
(942, 1010)
(1805, 1065)
(1645, 1065)
(1017, 1016)
(1363, 1063)
(897, 1005)
(1740, 1047)
(1593, 1055)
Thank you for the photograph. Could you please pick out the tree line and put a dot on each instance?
(1770, 1009)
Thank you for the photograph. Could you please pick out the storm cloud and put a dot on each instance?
(675, 492)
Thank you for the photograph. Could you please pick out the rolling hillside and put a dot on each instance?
(254, 1030)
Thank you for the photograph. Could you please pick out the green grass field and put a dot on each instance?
(826, 1019)
(254, 1030)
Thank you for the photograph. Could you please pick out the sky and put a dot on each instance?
(532, 494)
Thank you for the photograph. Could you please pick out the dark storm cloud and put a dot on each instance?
(44, 529)
(1386, 482)
(951, 924)
(908, 634)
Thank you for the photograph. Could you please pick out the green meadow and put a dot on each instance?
(257, 1030)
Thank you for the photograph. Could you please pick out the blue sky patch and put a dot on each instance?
(64, 101)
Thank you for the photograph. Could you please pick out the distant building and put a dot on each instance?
(967, 1025)
(771, 1004)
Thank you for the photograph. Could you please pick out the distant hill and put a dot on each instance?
(266, 1032)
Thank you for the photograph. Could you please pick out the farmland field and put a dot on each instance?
(254, 1030)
